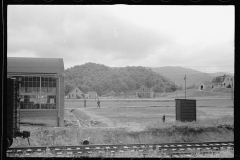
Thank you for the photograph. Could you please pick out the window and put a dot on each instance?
(38, 93)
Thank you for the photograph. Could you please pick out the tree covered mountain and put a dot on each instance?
(104, 79)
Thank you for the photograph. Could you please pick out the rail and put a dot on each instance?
(169, 149)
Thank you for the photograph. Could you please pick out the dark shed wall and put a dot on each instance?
(185, 110)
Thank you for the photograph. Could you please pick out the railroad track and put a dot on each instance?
(169, 149)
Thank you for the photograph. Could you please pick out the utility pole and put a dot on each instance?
(232, 90)
(185, 85)
(233, 96)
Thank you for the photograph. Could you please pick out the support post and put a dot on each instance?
(185, 85)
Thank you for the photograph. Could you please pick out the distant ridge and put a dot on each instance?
(177, 73)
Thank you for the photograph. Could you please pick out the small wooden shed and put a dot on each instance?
(186, 110)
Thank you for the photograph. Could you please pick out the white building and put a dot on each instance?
(75, 93)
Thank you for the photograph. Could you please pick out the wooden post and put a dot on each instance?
(185, 85)
(232, 90)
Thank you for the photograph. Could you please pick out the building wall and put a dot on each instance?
(92, 95)
(49, 94)
(143, 92)
(75, 93)
(46, 116)
(61, 106)
(204, 86)
(151, 94)
(86, 96)
(228, 81)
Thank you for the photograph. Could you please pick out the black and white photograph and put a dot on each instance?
(120, 81)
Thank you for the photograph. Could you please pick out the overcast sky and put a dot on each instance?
(197, 37)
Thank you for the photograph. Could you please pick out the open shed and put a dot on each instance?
(41, 90)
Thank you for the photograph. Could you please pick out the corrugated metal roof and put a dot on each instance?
(27, 65)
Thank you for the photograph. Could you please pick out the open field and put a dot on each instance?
(139, 113)
(140, 117)
(142, 120)
(106, 103)
(222, 93)
(133, 125)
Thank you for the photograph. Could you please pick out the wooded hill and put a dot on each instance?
(104, 79)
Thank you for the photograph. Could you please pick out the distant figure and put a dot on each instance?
(85, 102)
(98, 103)
(163, 118)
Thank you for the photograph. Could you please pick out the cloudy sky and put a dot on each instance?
(197, 37)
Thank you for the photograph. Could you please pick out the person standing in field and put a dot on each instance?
(98, 103)
(163, 118)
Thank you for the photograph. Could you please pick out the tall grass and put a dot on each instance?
(196, 126)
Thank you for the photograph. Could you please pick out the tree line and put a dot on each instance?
(104, 79)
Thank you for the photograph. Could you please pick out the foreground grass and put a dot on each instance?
(203, 130)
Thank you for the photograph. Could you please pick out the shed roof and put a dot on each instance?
(27, 65)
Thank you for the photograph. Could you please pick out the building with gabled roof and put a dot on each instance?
(144, 92)
(41, 91)
(224, 81)
(75, 93)
(205, 85)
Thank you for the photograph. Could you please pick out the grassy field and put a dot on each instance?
(78, 103)
(134, 125)
(145, 116)
(138, 113)
(190, 93)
